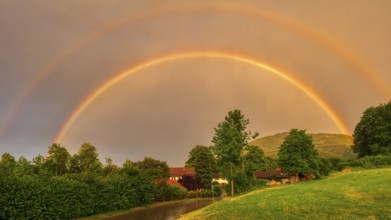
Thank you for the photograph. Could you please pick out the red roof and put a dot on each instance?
(271, 173)
(182, 171)
(176, 183)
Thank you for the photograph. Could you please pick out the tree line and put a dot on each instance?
(235, 159)
(65, 186)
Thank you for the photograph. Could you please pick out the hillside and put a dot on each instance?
(328, 145)
(362, 194)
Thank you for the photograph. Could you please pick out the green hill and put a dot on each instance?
(362, 194)
(328, 145)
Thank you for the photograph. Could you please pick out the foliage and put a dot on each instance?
(241, 184)
(165, 192)
(367, 162)
(217, 190)
(206, 193)
(229, 141)
(58, 159)
(70, 196)
(337, 164)
(191, 183)
(87, 157)
(156, 169)
(270, 163)
(7, 159)
(372, 135)
(109, 168)
(230, 138)
(298, 154)
(202, 159)
(356, 195)
(259, 183)
(325, 167)
(45, 189)
(130, 168)
(253, 161)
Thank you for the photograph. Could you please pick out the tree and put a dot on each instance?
(156, 169)
(253, 161)
(372, 135)
(88, 158)
(130, 168)
(57, 159)
(201, 158)
(24, 167)
(271, 163)
(7, 160)
(74, 164)
(109, 168)
(297, 154)
(229, 141)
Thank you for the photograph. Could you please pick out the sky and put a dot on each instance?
(155, 77)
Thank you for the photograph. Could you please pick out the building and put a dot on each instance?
(276, 175)
(279, 176)
(177, 172)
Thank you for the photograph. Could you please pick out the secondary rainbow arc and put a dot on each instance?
(192, 54)
(335, 46)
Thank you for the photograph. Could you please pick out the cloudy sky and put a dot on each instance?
(314, 65)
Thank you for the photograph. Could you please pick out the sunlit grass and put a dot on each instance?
(357, 195)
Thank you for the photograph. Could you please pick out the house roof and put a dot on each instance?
(182, 171)
(271, 173)
(176, 183)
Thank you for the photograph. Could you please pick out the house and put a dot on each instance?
(170, 182)
(175, 183)
(279, 176)
(219, 179)
(177, 172)
(276, 175)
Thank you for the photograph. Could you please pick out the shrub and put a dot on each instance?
(371, 161)
(71, 196)
(165, 192)
(258, 183)
(241, 184)
(217, 190)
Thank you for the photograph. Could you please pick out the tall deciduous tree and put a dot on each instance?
(7, 159)
(372, 135)
(88, 157)
(202, 159)
(57, 159)
(229, 141)
(297, 154)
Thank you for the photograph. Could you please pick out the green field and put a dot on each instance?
(356, 195)
(328, 145)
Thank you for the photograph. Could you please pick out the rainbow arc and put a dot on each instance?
(193, 54)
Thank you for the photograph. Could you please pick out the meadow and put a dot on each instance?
(364, 194)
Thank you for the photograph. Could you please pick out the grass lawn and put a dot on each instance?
(362, 194)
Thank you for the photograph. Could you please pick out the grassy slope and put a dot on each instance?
(328, 145)
(356, 195)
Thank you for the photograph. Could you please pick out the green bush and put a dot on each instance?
(370, 161)
(165, 192)
(217, 189)
(66, 197)
(241, 184)
(259, 183)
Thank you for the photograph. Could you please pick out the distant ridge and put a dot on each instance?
(328, 145)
